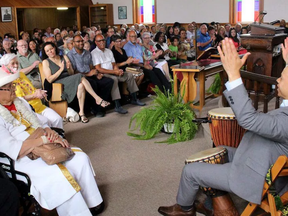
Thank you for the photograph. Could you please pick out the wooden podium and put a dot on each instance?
(264, 44)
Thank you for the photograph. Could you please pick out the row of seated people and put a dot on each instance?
(265, 132)
(29, 61)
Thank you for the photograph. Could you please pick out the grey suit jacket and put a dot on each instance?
(265, 140)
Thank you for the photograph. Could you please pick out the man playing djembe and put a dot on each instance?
(265, 140)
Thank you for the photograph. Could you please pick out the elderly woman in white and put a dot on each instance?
(71, 193)
(24, 88)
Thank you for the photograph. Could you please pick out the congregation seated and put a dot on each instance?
(81, 62)
(122, 60)
(33, 47)
(220, 36)
(17, 123)
(104, 62)
(58, 69)
(150, 57)
(7, 46)
(233, 36)
(25, 89)
(204, 41)
(28, 63)
(154, 74)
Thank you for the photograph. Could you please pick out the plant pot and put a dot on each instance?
(168, 128)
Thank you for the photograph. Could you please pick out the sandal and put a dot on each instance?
(103, 103)
(84, 119)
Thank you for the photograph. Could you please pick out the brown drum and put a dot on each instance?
(222, 203)
(224, 127)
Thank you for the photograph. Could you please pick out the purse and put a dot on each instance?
(51, 153)
(136, 71)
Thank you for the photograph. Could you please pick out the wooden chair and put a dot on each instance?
(279, 169)
(56, 102)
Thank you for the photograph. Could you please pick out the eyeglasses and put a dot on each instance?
(146, 38)
(79, 41)
(99, 41)
(12, 87)
(24, 45)
(118, 41)
(133, 36)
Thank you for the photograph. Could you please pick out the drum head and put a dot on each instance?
(205, 154)
(221, 113)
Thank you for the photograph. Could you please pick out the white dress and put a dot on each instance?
(49, 186)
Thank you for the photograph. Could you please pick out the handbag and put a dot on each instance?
(51, 153)
(72, 115)
(136, 71)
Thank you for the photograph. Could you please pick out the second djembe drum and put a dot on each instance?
(222, 203)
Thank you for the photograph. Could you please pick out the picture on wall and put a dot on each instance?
(122, 12)
(6, 14)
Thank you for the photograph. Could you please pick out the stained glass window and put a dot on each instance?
(146, 12)
(247, 10)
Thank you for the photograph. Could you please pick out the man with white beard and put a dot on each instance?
(28, 63)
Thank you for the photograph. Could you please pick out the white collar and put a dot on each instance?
(284, 103)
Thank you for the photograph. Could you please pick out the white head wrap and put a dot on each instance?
(7, 58)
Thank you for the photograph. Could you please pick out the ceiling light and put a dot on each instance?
(62, 8)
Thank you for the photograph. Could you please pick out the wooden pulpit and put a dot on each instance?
(264, 44)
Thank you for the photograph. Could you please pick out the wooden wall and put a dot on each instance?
(48, 17)
(11, 27)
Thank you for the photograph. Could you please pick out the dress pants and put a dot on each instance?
(102, 88)
(89, 195)
(54, 119)
(128, 78)
(9, 199)
(157, 78)
(205, 175)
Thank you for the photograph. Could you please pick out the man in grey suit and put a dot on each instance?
(265, 140)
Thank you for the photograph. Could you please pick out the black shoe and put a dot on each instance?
(120, 110)
(98, 209)
(100, 114)
(137, 102)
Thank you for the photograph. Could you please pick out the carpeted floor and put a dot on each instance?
(135, 177)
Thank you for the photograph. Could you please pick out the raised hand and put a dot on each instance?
(230, 59)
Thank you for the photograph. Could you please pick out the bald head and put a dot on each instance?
(100, 41)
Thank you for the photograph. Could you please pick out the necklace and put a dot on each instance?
(22, 111)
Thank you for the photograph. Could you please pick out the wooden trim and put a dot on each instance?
(134, 10)
(155, 8)
(232, 11)
(78, 15)
(16, 23)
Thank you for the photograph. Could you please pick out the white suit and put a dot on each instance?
(49, 185)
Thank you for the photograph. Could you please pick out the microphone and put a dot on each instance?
(263, 13)
(274, 22)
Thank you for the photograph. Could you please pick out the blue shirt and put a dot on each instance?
(134, 50)
(203, 39)
(80, 62)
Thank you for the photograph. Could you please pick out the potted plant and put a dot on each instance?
(166, 108)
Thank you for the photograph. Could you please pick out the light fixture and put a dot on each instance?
(62, 8)
(102, 8)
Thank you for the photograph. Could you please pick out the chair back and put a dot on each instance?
(279, 169)
(42, 75)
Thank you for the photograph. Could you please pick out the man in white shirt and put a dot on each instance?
(104, 62)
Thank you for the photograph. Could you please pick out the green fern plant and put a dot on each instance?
(166, 108)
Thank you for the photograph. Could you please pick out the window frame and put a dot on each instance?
(135, 6)
(233, 13)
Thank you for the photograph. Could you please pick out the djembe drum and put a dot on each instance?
(224, 127)
(222, 203)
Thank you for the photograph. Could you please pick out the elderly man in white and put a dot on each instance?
(70, 187)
